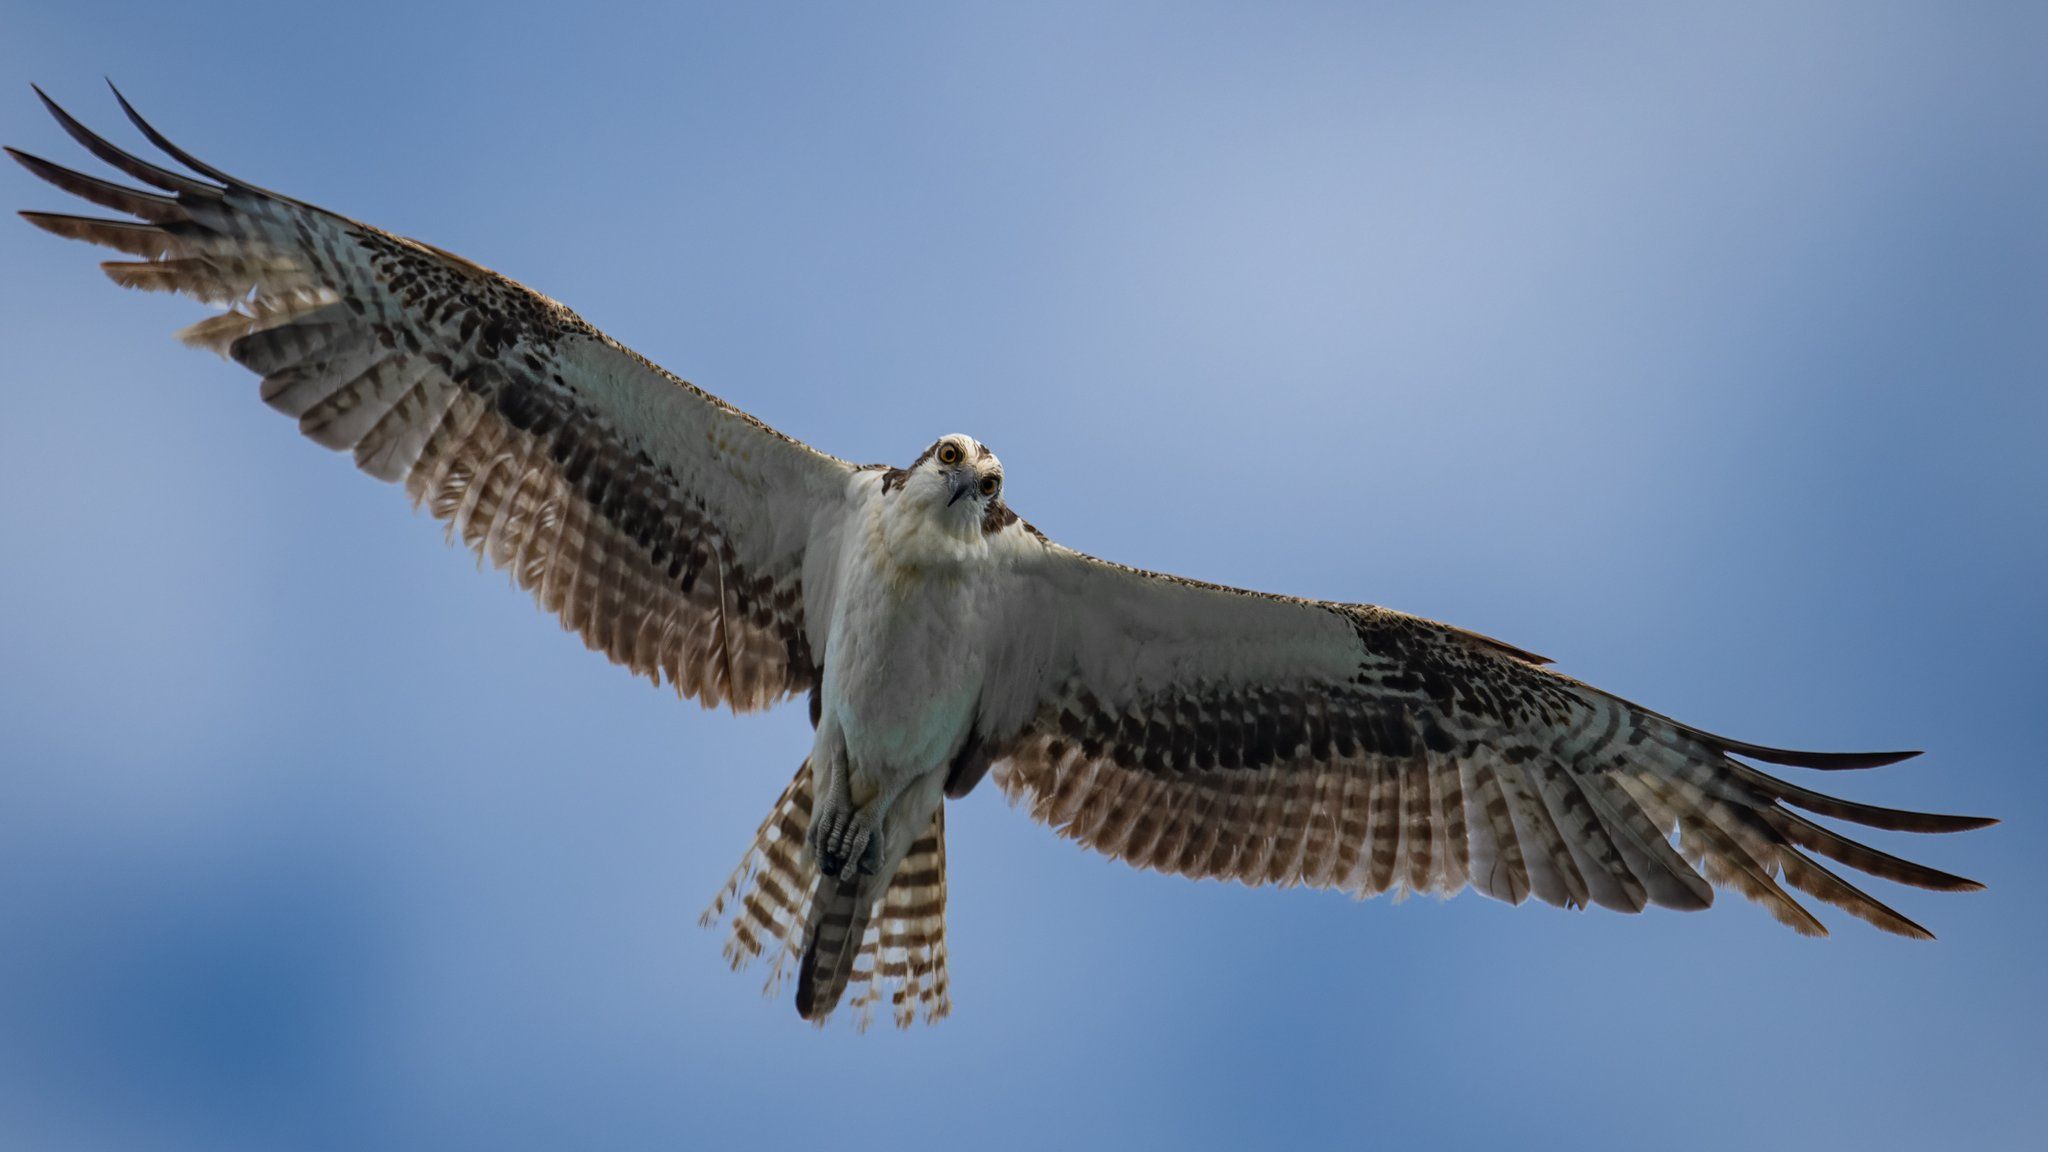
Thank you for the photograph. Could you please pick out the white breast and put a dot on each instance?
(902, 673)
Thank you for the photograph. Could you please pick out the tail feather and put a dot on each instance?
(907, 940)
(838, 923)
(901, 953)
(769, 894)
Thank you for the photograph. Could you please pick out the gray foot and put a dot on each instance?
(847, 843)
(828, 827)
(844, 841)
(869, 858)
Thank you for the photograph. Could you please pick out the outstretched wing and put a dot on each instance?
(1212, 732)
(668, 528)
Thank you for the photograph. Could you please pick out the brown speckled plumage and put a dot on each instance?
(447, 377)
(1182, 726)
(1444, 760)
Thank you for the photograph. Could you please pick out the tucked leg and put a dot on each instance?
(851, 845)
(856, 845)
(832, 813)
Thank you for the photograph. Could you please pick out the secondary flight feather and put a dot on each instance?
(940, 640)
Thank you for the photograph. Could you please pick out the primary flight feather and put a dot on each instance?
(1182, 726)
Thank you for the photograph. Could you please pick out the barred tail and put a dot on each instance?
(772, 894)
(838, 922)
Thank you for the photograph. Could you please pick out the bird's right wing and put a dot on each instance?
(677, 535)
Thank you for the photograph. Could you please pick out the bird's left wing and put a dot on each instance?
(1213, 732)
(668, 528)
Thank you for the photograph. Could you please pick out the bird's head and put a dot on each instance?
(957, 481)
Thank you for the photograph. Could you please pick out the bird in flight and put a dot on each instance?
(1181, 726)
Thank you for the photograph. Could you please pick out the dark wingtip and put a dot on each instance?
(105, 193)
(126, 107)
(161, 141)
(1824, 761)
(142, 170)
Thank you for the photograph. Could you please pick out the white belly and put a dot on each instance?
(902, 673)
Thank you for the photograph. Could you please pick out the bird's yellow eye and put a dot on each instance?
(949, 453)
(988, 485)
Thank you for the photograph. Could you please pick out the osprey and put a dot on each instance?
(1181, 726)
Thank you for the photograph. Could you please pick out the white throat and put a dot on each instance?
(919, 530)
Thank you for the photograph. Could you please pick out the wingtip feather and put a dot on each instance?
(1823, 761)
(105, 193)
(176, 153)
(144, 240)
(136, 167)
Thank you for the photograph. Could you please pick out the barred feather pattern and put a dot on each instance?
(664, 527)
(902, 957)
(1447, 761)
(1183, 726)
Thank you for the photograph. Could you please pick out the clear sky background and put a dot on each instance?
(1702, 351)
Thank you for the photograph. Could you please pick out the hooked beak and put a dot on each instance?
(962, 482)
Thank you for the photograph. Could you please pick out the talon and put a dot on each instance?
(828, 841)
(845, 842)
(860, 838)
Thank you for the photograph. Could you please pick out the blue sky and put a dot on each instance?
(1702, 351)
